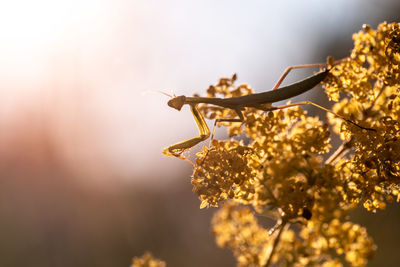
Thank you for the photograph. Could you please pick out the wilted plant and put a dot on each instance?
(147, 260)
(274, 167)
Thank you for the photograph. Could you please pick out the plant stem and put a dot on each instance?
(276, 241)
(344, 147)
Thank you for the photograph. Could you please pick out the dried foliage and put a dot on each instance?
(274, 165)
(147, 260)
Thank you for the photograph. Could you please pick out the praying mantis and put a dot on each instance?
(257, 100)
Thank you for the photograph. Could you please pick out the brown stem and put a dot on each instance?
(342, 149)
(276, 242)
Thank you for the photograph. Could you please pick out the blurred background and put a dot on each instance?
(83, 181)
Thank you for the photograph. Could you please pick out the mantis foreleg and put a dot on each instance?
(176, 149)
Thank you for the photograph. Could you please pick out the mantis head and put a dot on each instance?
(177, 102)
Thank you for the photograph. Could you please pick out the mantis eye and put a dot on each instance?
(177, 102)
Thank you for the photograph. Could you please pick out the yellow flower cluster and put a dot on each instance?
(370, 83)
(236, 228)
(275, 165)
(333, 240)
(224, 172)
(147, 260)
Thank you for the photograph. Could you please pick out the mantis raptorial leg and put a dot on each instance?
(178, 148)
(251, 100)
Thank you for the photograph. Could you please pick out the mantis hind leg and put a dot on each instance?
(177, 149)
(286, 72)
(325, 109)
(330, 62)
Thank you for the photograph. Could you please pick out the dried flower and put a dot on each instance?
(147, 260)
(274, 166)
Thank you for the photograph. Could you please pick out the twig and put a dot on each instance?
(276, 241)
(342, 149)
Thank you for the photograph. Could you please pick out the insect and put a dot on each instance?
(238, 104)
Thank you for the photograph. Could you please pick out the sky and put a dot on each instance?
(89, 70)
